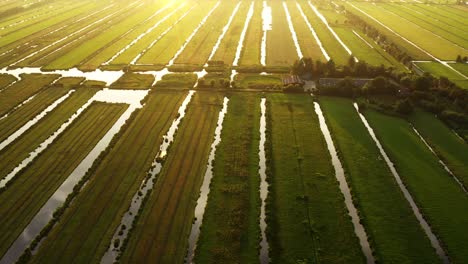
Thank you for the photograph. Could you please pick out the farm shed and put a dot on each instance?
(291, 80)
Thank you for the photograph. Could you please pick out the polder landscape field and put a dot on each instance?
(205, 131)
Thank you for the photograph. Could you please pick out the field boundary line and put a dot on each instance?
(407, 40)
(324, 20)
(314, 34)
(435, 241)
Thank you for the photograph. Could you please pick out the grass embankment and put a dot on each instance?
(177, 80)
(445, 143)
(250, 54)
(161, 233)
(256, 81)
(230, 231)
(439, 197)
(228, 47)
(27, 112)
(100, 205)
(307, 42)
(331, 45)
(280, 45)
(201, 45)
(166, 48)
(29, 85)
(134, 81)
(307, 218)
(18, 150)
(425, 39)
(393, 230)
(33, 186)
(5, 80)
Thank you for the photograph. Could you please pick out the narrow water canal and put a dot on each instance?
(340, 176)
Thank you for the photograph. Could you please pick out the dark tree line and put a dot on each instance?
(308, 69)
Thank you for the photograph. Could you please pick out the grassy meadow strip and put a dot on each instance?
(362, 49)
(58, 57)
(67, 8)
(97, 42)
(134, 81)
(34, 42)
(332, 46)
(201, 45)
(17, 151)
(161, 232)
(165, 25)
(53, 21)
(103, 201)
(442, 14)
(426, 40)
(18, 118)
(279, 52)
(165, 49)
(438, 69)
(445, 143)
(227, 49)
(461, 67)
(308, 44)
(230, 231)
(440, 198)
(33, 16)
(448, 31)
(250, 54)
(414, 52)
(393, 230)
(306, 215)
(29, 85)
(34, 185)
(5, 81)
(67, 38)
(113, 50)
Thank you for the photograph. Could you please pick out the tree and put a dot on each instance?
(331, 67)
(459, 59)
(351, 61)
(404, 107)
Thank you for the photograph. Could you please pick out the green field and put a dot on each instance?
(130, 95)
(22, 90)
(161, 233)
(22, 115)
(113, 183)
(440, 199)
(44, 176)
(438, 70)
(444, 141)
(230, 232)
(29, 141)
(384, 211)
(307, 219)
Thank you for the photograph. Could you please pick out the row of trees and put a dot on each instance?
(396, 51)
(308, 69)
